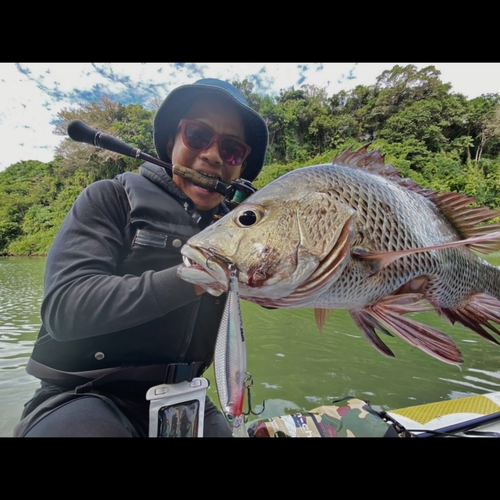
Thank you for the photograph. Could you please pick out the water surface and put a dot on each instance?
(294, 367)
(21, 291)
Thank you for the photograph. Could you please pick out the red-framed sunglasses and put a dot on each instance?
(198, 137)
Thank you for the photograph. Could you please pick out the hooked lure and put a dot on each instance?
(230, 359)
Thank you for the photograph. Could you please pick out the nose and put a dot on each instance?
(212, 154)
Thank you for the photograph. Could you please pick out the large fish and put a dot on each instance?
(355, 235)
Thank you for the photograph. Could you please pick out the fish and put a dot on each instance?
(356, 235)
(230, 360)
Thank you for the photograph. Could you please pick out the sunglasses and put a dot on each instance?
(198, 137)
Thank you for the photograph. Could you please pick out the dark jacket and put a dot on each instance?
(112, 295)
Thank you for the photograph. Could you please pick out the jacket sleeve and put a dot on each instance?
(83, 295)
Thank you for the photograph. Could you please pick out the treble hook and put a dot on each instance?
(248, 385)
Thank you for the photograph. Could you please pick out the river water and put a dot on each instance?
(294, 367)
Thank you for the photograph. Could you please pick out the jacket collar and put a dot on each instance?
(161, 178)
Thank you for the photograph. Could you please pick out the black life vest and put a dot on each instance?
(184, 338)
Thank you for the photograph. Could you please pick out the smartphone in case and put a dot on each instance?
(177, 410)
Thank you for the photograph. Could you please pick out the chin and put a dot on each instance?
(205, 203)
(203, 200)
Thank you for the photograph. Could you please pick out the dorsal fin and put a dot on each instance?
(455, 207)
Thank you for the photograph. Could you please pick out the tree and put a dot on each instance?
(246, 88)
(131, 124)
(352, 111)
(480, 112)
(490, 128)
(402, 86)
(22, 186)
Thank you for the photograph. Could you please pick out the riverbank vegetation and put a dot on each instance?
(438, 138)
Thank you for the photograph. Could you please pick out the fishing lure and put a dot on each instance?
(230, 359)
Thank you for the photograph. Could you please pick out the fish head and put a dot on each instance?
(275, 242)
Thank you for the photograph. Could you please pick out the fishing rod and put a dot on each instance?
(234, 191)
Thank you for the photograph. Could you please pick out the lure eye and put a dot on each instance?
(249, 217)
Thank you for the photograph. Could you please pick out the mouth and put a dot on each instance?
(204, 269)
(208, 176)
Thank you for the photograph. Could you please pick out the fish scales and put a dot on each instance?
(379, 229)
(355, 235)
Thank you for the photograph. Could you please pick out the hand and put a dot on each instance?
(198, 289)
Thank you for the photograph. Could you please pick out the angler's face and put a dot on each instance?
(223, 118)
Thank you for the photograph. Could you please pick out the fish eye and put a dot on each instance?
(249, 217)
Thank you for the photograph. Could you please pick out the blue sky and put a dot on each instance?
(32, 94)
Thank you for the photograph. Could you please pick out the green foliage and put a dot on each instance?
(135, 127)
(246, 88)
(403, 86)
(35, 197)
(132, 124)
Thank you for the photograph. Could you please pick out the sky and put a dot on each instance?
(31, 94)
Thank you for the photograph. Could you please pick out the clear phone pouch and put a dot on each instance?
(177, 410)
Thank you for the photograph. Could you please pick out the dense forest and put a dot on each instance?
(438, 138)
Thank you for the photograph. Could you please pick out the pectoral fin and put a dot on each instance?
(383, 259)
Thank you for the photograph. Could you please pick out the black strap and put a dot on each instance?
(90, 380)
(171, 374)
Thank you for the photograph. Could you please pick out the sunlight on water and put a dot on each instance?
(294, 367)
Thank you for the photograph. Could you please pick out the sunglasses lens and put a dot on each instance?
(197, 136)
(232, 152)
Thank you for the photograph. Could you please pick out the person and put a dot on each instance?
(116, 318)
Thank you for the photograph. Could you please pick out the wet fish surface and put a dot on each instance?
(356, 235)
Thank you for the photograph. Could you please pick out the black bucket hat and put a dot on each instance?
(178, 102)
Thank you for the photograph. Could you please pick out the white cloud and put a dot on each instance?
(32, 94)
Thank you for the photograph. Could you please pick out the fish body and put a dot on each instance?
(230, 361)
(355, 235)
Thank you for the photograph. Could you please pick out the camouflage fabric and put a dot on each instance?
(350, 417)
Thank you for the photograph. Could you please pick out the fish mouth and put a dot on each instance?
(204, 268)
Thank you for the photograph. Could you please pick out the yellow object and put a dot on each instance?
(481, 405)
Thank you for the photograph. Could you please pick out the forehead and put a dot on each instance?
(220, 114)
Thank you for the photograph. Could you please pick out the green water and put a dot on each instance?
(294, 367)
(21, 291)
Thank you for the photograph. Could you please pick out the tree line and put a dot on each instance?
(438, 138)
